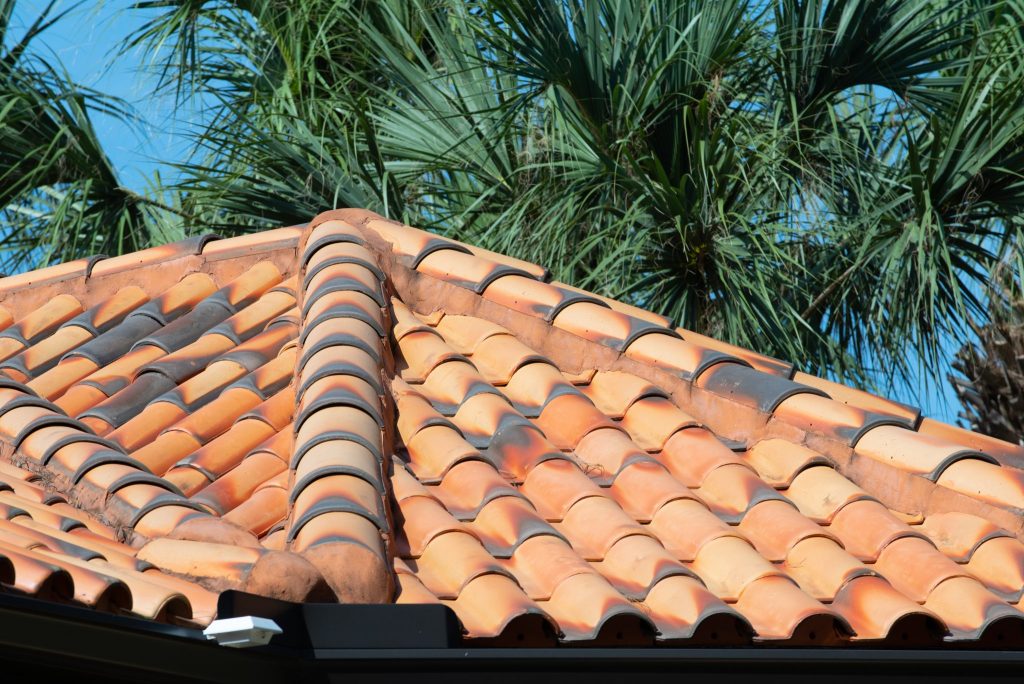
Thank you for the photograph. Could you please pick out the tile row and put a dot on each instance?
(208, 247)
(52, 550)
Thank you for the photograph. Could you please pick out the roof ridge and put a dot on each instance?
(339, 514)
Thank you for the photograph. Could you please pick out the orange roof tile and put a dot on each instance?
(364, 412)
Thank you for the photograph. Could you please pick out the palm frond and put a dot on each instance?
(828, 181)
(60, 196)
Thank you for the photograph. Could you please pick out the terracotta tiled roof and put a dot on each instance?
(361, 411)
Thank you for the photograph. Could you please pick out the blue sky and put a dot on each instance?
(87, 42)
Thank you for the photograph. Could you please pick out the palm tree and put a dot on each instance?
(60, 196)
(990, 373)
(828, 181)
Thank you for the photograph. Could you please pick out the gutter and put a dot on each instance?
(356, 643)
(43, 641)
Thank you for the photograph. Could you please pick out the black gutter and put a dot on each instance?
(42, 641)
(355, 643)
(662, 665)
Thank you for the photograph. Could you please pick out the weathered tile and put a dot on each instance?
(920, 454)
(844, 423)
(970, 611)
(778, 461)
(587, 608)
(465, 270)
(602, 325)
(866, 527)
(532, 297)
(750, 387)
(674, 354)
(958, 535)
(653, 421)
(876, 611)
(865, 401)
(569, 418)
(914, 567)
(1000, 485)
(821, 492)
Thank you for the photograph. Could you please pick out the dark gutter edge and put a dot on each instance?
(387, 640)
(432, 631)
(41, 640)
(71, 613)
(725, 655)
(661, 665)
